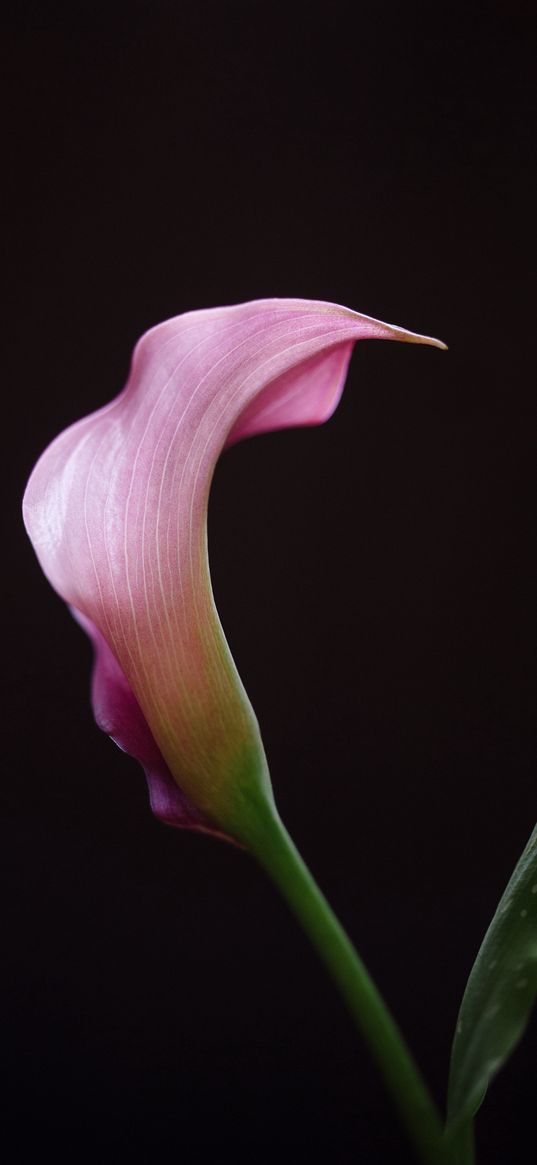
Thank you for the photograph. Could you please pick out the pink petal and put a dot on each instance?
(117, 506)
(118, 713)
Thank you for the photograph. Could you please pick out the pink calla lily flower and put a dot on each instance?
(116, 509)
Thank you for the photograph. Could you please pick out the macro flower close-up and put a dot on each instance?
(117, 511)
(269, 883)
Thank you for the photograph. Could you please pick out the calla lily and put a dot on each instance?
(116, 509)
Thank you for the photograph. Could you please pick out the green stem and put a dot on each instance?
(462, 1144)
(278, 855)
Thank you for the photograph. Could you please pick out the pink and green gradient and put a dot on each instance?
(116, 509)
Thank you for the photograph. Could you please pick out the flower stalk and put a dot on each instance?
(116, 509)
(277, 854)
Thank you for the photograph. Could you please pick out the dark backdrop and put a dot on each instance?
(374, 576)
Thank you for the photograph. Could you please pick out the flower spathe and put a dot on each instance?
(116, 509)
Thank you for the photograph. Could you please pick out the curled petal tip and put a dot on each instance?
(435, 343)
(371, 328)
(406, 337)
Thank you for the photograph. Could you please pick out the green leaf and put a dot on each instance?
(499, 994)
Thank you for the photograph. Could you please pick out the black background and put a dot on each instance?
(374, 576)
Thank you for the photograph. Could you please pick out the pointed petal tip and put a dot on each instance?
(378, 329)
(437, 343)
(415, 338)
